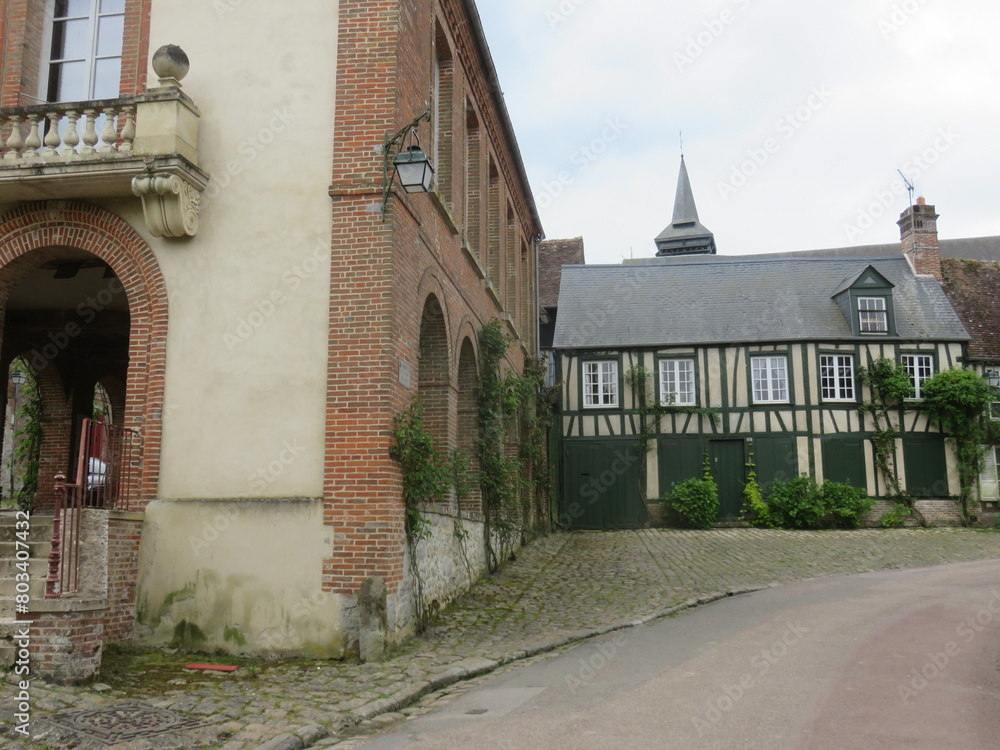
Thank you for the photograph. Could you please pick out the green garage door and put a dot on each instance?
(600, 487)
(926, 466)
(844, 460)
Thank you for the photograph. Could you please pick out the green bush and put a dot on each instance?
(694, 503)
(846, 505)
(800, 503)
(894, 518)
(755, 509)
(796, 504)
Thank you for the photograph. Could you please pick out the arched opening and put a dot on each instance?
(468, 426)
(67, 317)
(434, 378)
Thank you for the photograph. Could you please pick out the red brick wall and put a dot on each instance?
(124, 531)
(66, 646)
(383, 273)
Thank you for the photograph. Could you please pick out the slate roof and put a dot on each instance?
(736, 299)
(552, 256)
(973, 286)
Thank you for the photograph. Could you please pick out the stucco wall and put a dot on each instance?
(238, 576)
(246, 353)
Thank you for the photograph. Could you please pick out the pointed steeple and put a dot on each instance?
(685, 235)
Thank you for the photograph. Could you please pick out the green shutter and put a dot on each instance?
(926, 465)
(844, 460)
(775, 458)
(680, 459)
(600, 485)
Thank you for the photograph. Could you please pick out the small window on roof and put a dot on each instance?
(873, 315)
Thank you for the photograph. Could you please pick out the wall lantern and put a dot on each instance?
(411, 165)
(993, 377)
(17, 377)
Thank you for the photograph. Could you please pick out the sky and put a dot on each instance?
(795, 116)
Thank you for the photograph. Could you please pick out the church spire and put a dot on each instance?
(685, 235)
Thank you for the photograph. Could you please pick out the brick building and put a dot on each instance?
(215, 249)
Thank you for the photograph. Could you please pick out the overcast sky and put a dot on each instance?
(796, 116)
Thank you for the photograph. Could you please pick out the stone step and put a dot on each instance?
(8, 589)
(37, 566)
(37, 548)
(39, 527)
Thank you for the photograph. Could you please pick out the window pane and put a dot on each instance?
(74, 7)
(71, 40)
(109, 36)
(68, 82)
(107, 78)
(112, 6)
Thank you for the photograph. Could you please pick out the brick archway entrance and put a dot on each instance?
(73, 240)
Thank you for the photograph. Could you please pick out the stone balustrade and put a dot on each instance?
(67, 131)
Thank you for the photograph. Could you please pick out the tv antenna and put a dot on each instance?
(909, 186)
(681, 134)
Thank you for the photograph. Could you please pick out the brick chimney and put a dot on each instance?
(919, 236)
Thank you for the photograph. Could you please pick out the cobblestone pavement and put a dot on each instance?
(561, 588)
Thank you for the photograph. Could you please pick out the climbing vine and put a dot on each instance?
(960, 400)
(889, 385)
(650, 412)
(28, 439)
(514, 410)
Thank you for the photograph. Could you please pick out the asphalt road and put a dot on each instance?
(900, 659)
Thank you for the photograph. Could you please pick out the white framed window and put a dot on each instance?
(600, 384)
(836, 376)
(677, 382)
(873, 315)
(770, 379)
(83, 53)
(919, 367)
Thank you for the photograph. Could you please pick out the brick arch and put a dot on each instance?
(434, 376)
(33, 233)
(467, 432)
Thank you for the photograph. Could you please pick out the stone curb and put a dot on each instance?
(476, 667)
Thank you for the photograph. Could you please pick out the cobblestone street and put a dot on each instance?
(560, 589)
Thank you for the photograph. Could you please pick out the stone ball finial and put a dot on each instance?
(171, 62)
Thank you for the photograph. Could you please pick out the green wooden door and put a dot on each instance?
(775, 458)
(679, 459)
(727, 461)
(844, 460)
(600, 487)
(926, 466)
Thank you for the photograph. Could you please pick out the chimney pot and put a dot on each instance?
(921, 201)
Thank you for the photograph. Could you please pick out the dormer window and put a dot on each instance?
(865, 299)
(873, 315)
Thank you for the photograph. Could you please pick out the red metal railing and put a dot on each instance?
(107, 473)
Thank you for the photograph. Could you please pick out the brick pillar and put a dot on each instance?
(919, 237)
(57, 434)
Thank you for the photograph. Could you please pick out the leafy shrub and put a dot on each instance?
(796, 504)
(894, 518)
(800, 503)
(694, 503)
(846, 505)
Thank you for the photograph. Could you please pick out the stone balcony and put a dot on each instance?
(144, 146)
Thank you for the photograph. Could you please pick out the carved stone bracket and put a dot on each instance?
(170, 204)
